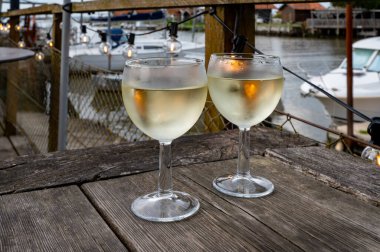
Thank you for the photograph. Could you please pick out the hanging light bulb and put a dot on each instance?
(49, 41)
(17, 27)
(39, 56)
(130, 51)
(8, 26)
(21, 43)
(1, 26)
(173, 46)
(84, 38)
(104, 47)
(371, 154)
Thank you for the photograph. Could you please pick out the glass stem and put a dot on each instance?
(243, 168)
(165, 183)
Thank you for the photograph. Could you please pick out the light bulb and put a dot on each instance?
(49, 43)
(8, 26)
(129, 52)
(105, 48)
(371, 154)
(1, 27)
(21, 44)
(39, 56)
(84, 38)
(173, 46)
(17, 27)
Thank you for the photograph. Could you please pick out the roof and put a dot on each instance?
(304, 6)
(265, 7)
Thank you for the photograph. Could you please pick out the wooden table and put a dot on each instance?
(10, 54)
(80, 200)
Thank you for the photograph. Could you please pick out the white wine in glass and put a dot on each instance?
(245, 89)
(164, 98)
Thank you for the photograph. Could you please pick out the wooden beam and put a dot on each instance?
(42, 9)
(149, 4)
(219, 40)
(55, 82)
(12, 92)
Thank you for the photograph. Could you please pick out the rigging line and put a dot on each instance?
(343, 104)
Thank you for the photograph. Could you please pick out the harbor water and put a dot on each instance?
(306, 57)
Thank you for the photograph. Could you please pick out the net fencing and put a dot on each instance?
(96, 114)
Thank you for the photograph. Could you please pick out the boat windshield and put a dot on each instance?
(375, 66)
(360, 58)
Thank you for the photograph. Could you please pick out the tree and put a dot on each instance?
(366, 4)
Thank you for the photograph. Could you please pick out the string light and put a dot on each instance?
(49, 41)
(130, 51)
(84, 38)
(17, 27)
(104, 47)
(39, 56)
(21, 43)
(8, 26)
(173, 46)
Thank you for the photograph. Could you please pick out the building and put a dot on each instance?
(264, 12)
(299, 12)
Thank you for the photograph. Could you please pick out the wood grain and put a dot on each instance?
(306, 212)
(337, 169)
(211, 229)
(147, 4)
(59, 219)
(78, 166)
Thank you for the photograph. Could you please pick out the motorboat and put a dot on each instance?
(366, 82)
(146, 47)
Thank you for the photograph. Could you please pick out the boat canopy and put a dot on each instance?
(370, 43)
(156, 15)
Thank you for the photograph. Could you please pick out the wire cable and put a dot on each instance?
(340, 102)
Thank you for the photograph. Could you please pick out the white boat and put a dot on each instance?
(146, 47)
(366, 82)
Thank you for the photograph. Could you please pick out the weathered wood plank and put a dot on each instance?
(211, 229)
(147, 4)
(59, 219)
(337, 169)
(6, 149)
(306, 212)
(42, 9)
(78, 166)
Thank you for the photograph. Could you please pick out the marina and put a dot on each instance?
(121, 135)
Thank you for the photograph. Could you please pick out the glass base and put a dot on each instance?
(165, 207)
(243, 186)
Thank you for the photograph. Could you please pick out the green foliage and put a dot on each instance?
(366, 4)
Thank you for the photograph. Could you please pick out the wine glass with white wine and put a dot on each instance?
(245, 89)
(164, 98)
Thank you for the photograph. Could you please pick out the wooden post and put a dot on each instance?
(12, 95)
(55, 82)
(350, 100)
(219, 40)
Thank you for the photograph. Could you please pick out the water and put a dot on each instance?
(304, 56)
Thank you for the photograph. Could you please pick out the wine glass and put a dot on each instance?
(245, 89)
(164, 97)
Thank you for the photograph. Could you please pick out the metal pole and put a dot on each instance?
(350, 100)
(64, 80)
(81, 18)
(109, 38)
(193, 27)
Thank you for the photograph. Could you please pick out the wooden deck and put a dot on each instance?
(80, 200)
